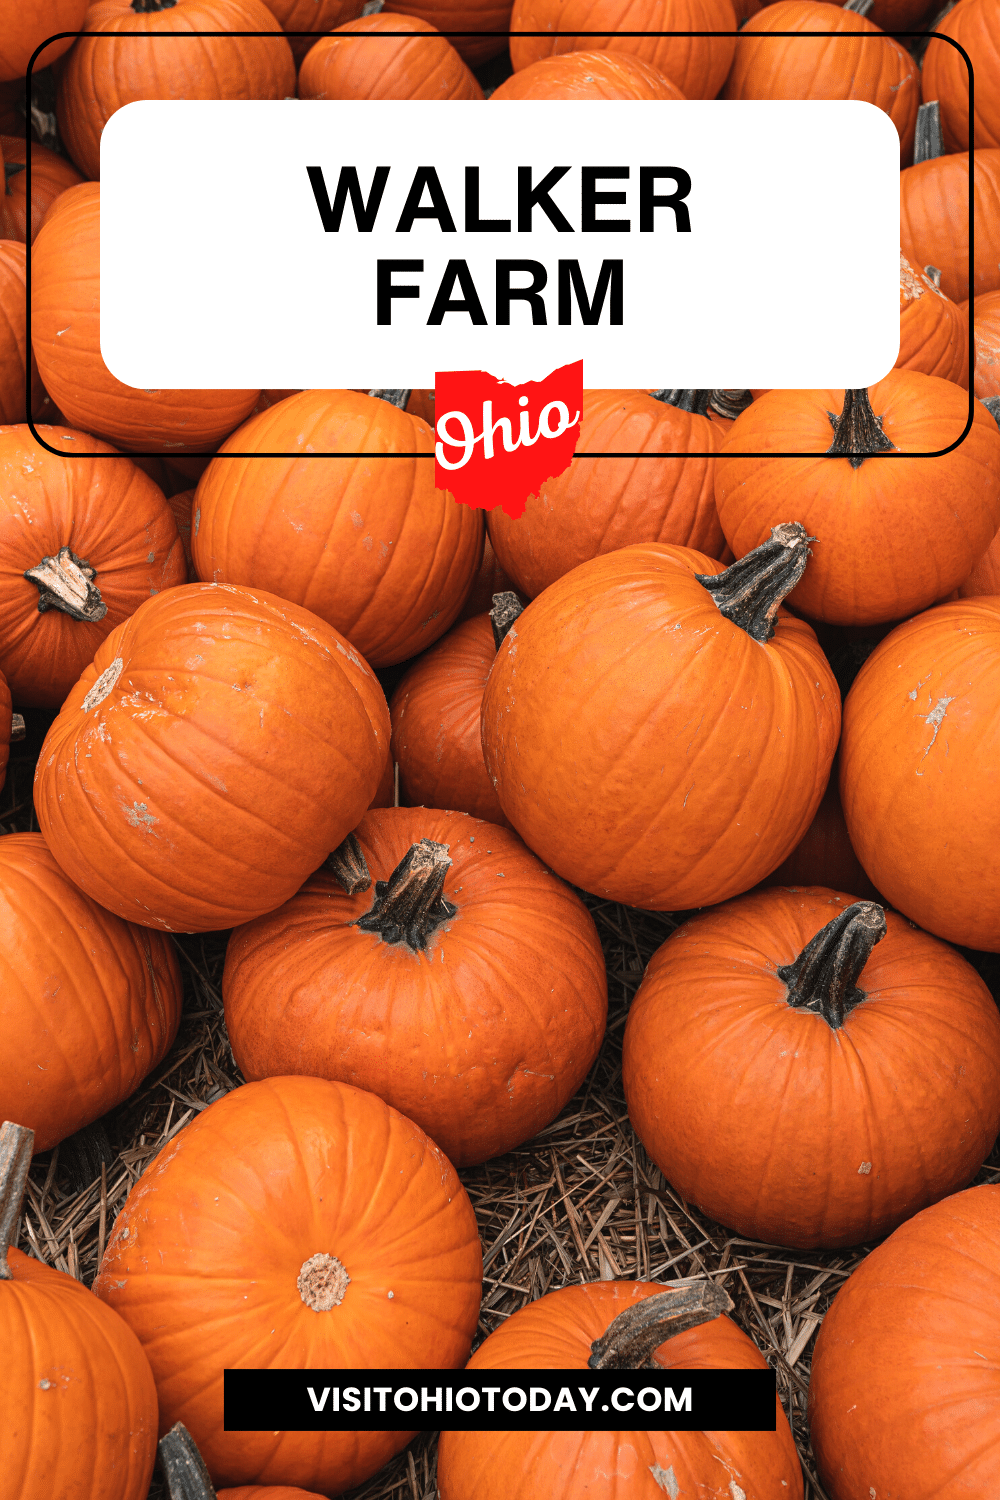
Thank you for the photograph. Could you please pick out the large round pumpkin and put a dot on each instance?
(80, 1403)
(658, 729)
(975, 25)
(366, 543)
(588, 75)
(66, 337)
(25, 27)
(696, 65)
(304, 1223)
(462, 16)
(16, 358)
(102, 75)
(904, 1396)
(422, 65)
(220, 745)
(467, 989)
(933, 330)
(919, 776)
(600, 504)
(83, 542)
(892, 534)
(811, 1070)
(934, 220)
(559, 1332)
(51, 175)
(89, 1003)
(860, 64)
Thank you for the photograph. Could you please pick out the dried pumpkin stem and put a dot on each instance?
(506, 609)
(16, 1145)
(18, 728)
(694, 401)
(749, 592)
(10, 170)
(149, 7)
(992, 404)
(730, 403)
(394, 398)
(629, 1341)
(66, 582)
(410, 905)
(347, 865)
(857, 431)
(928, 142)
(824, 977)
(183, 1466)
(859, 7)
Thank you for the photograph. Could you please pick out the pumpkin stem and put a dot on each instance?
(394, 398)
(16, 1145)
(992, 404)
(66, 582)
(933, 275)
(372, 7)
(149, 7)
(824, 977)
(628, 1342)
(859, 7)
(18, 728)
(694, 401)
(183, 1466)
(730, 403)
(857, 431)
(347, 865)
(10, 170)
(410, 905)
(750, 591)
(506, 609)
(928, 141)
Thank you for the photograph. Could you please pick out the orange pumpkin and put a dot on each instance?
(866, 512)
(559, 1332)
(588, 75)
(879, 72)
(985, 576)
(305, 1223)
(696, 65)
(985, 320)
(99, 77)
(51, 175)
(90, 1004)
(975, 25)
(420, 66)
(462, 16)
(370, 546)
(188, 1479)
(83, 541)
(181, 506)
(467, 990)
(934, 220)
(847, 1073)
(66, 336)
(933, 331)
(659, 730)
(311, 15)
(220, 745)
(825, 856)
(25, 27)
(16, 358)
(600, 504)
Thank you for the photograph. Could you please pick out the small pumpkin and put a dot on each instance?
(66, 337)
(17, 361)
(903, 1394)
(83, 541)
(307, 1224)
(373, 548)
(824, 856)
(933, 331)
(220, 745)
(83, 1425)
(462, 16)
(89, 1003)
(182, 505)
(51, 175)
(600, 504)
(934, 220)
(659, 730)
(588, 75)
(422, 65)
(811, 1070)
(581, 1327)
(975, 26)
(25, 27)
(892, 535)
(467, 989)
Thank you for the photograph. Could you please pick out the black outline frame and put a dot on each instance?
(937, 453)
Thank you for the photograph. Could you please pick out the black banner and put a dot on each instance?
(499, 1400)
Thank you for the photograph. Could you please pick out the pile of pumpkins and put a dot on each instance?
(638, 689)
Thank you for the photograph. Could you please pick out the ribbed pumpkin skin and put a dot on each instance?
(866, 565)
(824, 855)
(480, 1040)
(905, 1375)
(628, 725)
(696, 65)
(556, 1332)
(919, 779)
(933, 331)
(84, 1424)
(975, 25)
(233, 750)
(406, 68)
(110, 515)
(985, 576)
(216, 1234)
(785, 1129)
(88, 1004)
(15, 354)
(370, 546)
(102, 76)
(985, 318)
(51, 175)
(588, 75)
(462, 15)
(879, 72)
(311, 15)
(934, 220)
(24, 27)
(435, 713)
(598, 505)
(65, 330)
